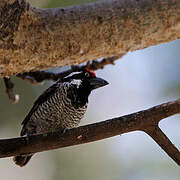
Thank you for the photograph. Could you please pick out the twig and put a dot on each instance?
(40, 76)
(164, 143)
(146, 121)
(14, 98)
(95, 65)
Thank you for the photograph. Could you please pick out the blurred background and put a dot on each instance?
(138, 81)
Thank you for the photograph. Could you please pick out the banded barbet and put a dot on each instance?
(60, 107)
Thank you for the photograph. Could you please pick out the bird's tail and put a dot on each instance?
(22, 160)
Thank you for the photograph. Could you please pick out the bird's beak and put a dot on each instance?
(97, 83)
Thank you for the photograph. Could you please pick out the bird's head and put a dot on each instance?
(81, 85)
(87, 79)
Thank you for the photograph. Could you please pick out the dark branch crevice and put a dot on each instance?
(143, 120)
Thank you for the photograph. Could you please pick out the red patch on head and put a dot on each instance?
(90, 72)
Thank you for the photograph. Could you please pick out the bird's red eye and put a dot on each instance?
(91, 72)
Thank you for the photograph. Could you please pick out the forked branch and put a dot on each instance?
(146, 121)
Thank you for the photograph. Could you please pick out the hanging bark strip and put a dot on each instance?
(14, 98)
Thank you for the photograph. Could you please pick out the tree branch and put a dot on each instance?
(34, 39)
(146, 121)
(164, 143)
(39, 76)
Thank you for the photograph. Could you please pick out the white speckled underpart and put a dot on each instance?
(56, 113)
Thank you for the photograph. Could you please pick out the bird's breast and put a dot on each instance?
(57, 112)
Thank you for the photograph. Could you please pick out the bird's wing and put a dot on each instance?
(42, 98)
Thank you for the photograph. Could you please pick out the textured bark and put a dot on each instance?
(146, 121)
(35, 39)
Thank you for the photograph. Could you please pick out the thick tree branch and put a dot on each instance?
(146, 121)
(34, 39)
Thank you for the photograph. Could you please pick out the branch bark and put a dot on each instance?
(146, 121)
(34, 39)
(39, 76)
(164, 143)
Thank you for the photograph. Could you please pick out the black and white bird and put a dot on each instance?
(60, 107)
